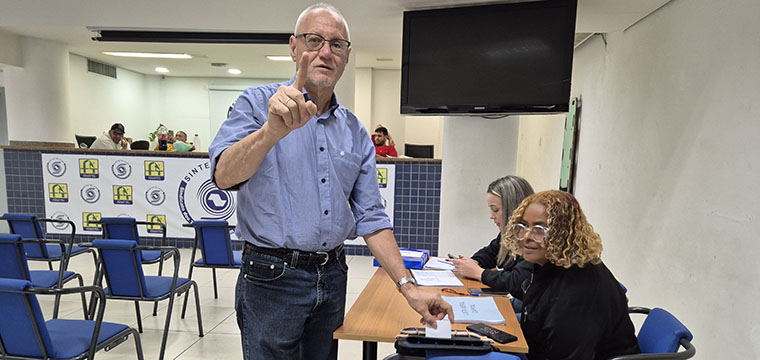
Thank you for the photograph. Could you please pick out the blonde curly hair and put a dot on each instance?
(570, 239)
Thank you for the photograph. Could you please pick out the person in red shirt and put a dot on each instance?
(380, 137)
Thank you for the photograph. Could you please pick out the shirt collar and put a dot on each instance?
(333, 100)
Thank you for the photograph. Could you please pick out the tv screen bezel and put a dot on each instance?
(490, 109)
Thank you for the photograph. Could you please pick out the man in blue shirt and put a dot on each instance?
(305, 169)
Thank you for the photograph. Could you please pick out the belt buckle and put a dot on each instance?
(327, 257)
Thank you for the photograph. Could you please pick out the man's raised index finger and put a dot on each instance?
(302, 72)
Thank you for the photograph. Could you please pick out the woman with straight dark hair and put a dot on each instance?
(503, 196)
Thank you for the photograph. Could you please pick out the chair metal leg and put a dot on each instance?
(96, 281)
(84, 298)
(50, 265)
(160, 269)
(138, 344)
(198, 309)
(166, 325)
(139, 318)
(187, 294)
(216, 294)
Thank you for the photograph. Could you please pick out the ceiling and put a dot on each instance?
(375, 29)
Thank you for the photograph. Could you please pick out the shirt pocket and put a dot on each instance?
(347, 167)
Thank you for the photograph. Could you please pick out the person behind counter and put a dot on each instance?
(573, 307)
(503, 196)
(112, 139)
(380, 137)
(180, 142)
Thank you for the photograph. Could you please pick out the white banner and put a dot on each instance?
(171, 190)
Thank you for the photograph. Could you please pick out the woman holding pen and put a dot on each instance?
(503, 196)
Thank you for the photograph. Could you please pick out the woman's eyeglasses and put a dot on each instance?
(521, 232)
(452, 291)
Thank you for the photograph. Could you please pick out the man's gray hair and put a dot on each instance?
(325, 6)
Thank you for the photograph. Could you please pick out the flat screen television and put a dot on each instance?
(509, 58)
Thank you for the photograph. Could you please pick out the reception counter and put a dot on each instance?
(32, 172)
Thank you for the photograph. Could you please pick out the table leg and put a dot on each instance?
(369, 350)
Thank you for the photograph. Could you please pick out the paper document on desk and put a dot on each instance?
(475, 310)
(438, 263)
(436, 278)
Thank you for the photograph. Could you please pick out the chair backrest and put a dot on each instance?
(661, 332)
(22, 330)
(214, 241)
(122, 228)
(13, 258)
(84, 142)
(140, 145)
(418, 151)
(123, 267)
(28, 227)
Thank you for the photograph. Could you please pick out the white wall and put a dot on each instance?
(11, 45)
(37, 95)
(539, 150)
(363, 97)
(668, 165)
(477, 152)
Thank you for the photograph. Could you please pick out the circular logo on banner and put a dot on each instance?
(58, 215)
(199, 198)
(121, 169)
(155, 196)
(56, 167)
(90, 193)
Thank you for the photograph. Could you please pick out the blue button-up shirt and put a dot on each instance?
(315, 188)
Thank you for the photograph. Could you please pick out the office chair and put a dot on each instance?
(24, 333)
(140, 145)
(213, 239)
(418, 151)
(84, 142)
(13, 265)
(660, 336)
(30, 227)
(122, 269)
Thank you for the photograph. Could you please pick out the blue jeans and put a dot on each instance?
(289, 312)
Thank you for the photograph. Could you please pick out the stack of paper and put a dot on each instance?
(438, 263)
(475, 310)
(436, 278)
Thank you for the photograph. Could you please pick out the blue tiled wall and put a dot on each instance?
(415, 216)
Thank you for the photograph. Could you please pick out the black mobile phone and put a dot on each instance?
(487, 291)
(452, 256)
(493, 333)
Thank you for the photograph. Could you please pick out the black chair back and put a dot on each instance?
(140, 145)
(84, 142)
(418, 151)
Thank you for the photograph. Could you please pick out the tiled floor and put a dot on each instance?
(222, 337)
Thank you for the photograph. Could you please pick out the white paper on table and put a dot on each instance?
(438, 263)
(436, 278)
(475, 310)
(442, 332)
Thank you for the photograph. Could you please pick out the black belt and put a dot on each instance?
(305, 258)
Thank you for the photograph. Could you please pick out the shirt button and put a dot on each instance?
(323, 181)
(326, 212)
(321, 148)
(324, 244)
(342, 153)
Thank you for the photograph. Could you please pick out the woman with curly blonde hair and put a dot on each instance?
(573, 308)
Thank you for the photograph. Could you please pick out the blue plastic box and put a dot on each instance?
(412, 263)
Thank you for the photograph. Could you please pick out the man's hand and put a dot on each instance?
(430, 305)
(288, 110)
(468, 267)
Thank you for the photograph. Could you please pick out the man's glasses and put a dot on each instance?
(314, 42)
(521, 232)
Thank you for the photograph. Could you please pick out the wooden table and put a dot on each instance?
(380, 312)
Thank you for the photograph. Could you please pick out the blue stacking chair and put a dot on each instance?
(24, 333)
(13, 265)
(212, 237)
(125, 228)
(122, 269)
(660, 336)
(30, 227)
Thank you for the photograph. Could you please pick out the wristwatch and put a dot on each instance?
(404, 280)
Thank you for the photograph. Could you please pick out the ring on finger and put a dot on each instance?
(288, 101)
